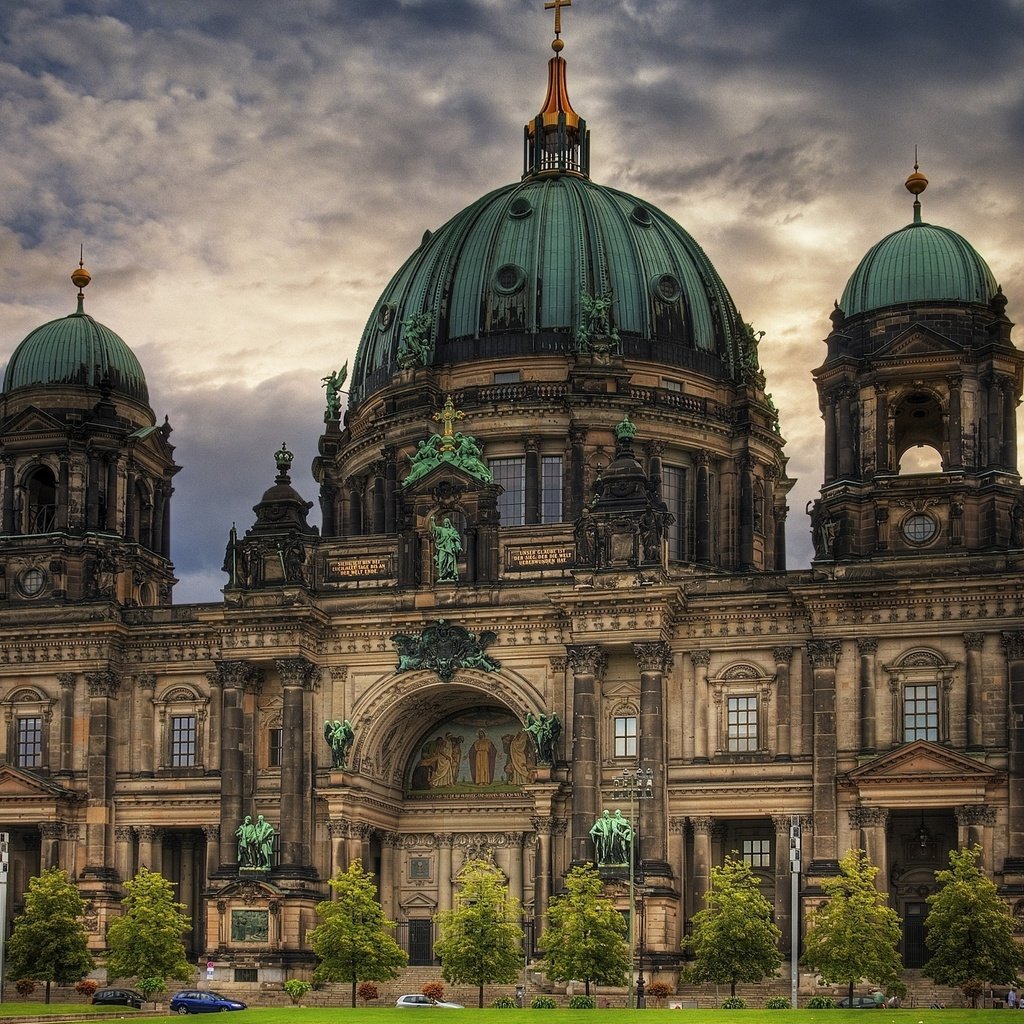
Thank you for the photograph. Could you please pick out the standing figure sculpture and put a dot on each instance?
(339, 736)
(264, 835)
(545, 730)
(333, 383)
(246, 835)
(447, 548)
(612, 836)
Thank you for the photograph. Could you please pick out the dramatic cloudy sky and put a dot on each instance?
(246, 176)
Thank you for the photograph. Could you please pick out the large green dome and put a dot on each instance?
(505, 277)
(918, 263)
(79, 351)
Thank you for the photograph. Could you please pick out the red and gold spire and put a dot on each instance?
(557, 140)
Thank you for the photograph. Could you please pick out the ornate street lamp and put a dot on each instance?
(633, 784)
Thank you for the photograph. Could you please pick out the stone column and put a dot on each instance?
(829, 416)
(1013, 645)
(973, 644)
(702, 830)
(110, 494)
(783, 749)
(64, 492)
(92, 492)
(338, 831)
(51, 833)
(8, 501)
(577, 470)
(124, 837)
(388, 879)
(974, 826)
(1009, 425)
(297, 677)
(872, 822)
(149, 847)
(993, 420)
(231, 676)
(379, 499)
(847, 395)
(882, 428)
(588, 665)
(677, 861)
(701, 660)
(867, 648)
(390, 488)
(702, 509)
(685, 719)
(653, 660)
(956, 427)
(66, 763)
(782, 898)
(445, 842)
(746, 516)
(354, 486)
(544, 828)
(211, 833)
(145, 685)
(824, 656)
(158, 516)
(165, 522)
(100, 774)
(532, 482)
(515, 865)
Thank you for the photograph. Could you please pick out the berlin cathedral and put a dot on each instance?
(550, 554)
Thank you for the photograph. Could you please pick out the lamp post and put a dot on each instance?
(634, 784)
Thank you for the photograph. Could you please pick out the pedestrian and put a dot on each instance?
(1011, 999)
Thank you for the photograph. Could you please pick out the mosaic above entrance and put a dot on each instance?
(473, 752)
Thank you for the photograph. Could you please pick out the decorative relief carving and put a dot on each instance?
(297, 672)
(587, 660)
(653, 657)
(823, 653)
(975, 814)
(974, 641)
(700, 658)
(1013, 644)
(782, 655)
(102, 684)
(867, 645)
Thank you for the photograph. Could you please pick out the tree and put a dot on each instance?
(856, 934)
(970, 929)
(145, 941)
(49, 942)
(585, 933)
(733, 936)
(354, 940)
(481, 940)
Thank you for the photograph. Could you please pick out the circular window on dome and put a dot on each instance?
(919, 528)
(520, 208)
(509, 279)
(666, 288)
(385, 316)
(641, 215)
(32, 581)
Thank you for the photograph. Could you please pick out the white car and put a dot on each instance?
(418, 999)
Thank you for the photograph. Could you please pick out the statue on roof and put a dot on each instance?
(333, 384)
(416, 349)
(339, 736)
(595, 331)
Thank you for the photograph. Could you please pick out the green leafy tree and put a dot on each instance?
(145, 941)
(481, 940)
(856, 934)
(733, 936)
(585, 933)
(49, 942)
(354, 940)
(970, 929)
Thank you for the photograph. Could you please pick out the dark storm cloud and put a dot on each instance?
(246, 177)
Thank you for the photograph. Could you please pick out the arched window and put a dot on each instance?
(41, 504)
(918, 426)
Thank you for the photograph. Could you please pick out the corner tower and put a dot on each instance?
(86, 475)
(919, 391)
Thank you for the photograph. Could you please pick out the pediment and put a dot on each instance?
(445, 473)
(249, 890)
(918, 340)
(16, 784)
(419, 901)
(31, 420)
(921, 762)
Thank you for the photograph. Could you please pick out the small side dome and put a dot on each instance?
(76, 351)
(919, 263)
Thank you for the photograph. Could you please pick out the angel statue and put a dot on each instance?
(333, 383)
(339, 736)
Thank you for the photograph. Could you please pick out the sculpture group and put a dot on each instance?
(613, 837)
(255, 844)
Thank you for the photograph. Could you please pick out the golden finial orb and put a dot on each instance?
(916, 183)
(558, 45)
(80, 277)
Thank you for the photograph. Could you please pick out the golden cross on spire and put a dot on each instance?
(448, 416)
(556, 6)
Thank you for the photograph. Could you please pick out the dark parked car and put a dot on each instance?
(118, 997)
(861, 1003)
(203, 1001)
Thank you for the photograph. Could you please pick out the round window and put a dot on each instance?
(520, 207)
(666, 288)
(509, 278)
(385, 314)
(641, 215)
(919, 528)
(31, 582)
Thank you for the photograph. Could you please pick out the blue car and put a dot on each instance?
(203, 1001)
